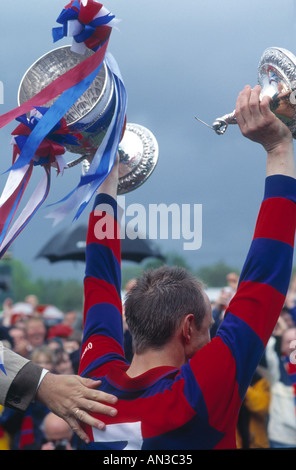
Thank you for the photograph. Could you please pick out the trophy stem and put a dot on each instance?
(221, 124)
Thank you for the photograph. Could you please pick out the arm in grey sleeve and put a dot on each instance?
(19, 380)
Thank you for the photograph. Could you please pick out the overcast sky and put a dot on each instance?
(178, 60)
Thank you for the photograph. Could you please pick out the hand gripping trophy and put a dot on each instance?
(277, 78)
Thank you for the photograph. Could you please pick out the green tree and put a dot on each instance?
(215, 275)
(64, 294)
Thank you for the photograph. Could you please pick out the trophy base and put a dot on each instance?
(138, 157)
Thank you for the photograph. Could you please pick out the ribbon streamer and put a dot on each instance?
(34, 203)
(104, 158)
(46, 155)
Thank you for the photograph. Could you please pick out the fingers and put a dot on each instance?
(252, 113)
(94, 384)
(76, 427)
(254, 103)
(85, 417)
(265, 107)
(89, 402)
(257, 122)
(242, 111)
(248, 106)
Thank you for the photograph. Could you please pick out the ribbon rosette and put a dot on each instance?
(48, 154)
(89, 23)
(51, 147)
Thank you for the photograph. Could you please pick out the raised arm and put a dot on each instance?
(250, 318)
(264, 281)
(103, 328)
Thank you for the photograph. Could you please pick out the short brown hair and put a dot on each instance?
(159, 300)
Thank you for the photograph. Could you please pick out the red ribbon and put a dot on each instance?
(58, 86)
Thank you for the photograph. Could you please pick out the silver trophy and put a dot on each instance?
(277, 78)
(91, 115)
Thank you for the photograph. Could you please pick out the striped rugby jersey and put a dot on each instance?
(195, 407)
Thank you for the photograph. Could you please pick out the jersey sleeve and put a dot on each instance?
(103, 329)
(264, 281)
(223, 369)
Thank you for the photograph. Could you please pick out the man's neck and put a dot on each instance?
(152, 358)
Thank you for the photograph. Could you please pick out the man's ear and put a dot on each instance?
(187, 327)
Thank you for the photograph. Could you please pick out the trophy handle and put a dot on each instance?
(270, 87)
(221, 124)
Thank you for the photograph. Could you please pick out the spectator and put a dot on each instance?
(220, 305)
(71, 318)
(63, 364)
(44, 357)
(57, 434)
(282, 417)
(15, 313)
(36, 332)
(32, 300)
(60, 331)
(20, 341)
(73, 342)
(253, 416)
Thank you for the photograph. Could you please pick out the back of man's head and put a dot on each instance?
(158, 302)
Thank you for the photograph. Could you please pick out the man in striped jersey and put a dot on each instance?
(181, 390)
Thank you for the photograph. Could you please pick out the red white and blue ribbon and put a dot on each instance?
(48, 154)
(104, 158)
(91, 25)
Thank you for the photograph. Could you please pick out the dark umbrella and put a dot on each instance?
(69, 245)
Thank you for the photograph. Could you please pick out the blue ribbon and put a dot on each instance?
(106, 153)
(33, 122)
(50, 118)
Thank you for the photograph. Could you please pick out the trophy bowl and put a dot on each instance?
(277, 78)
(91, 115)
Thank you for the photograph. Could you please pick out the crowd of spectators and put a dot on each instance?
(52, 339)
(267, 417)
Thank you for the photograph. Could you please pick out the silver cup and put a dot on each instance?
(91, 115)
(277, 78)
